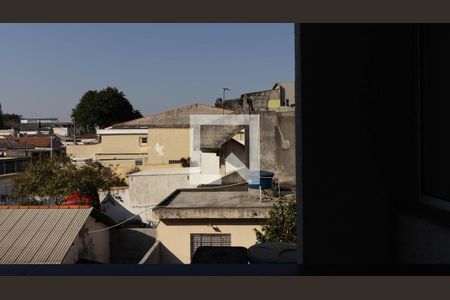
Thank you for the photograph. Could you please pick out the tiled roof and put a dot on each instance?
(39, 234)
(38, 141)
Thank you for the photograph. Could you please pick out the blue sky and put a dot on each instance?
(46, 68)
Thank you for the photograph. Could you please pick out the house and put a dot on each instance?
(190, 218)
(9, 168)
(52, 235)
(82, 139)
(145, 190)
(160, 140)
(280, 98)
(40, 145)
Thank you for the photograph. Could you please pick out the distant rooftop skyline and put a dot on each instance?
(46, 68)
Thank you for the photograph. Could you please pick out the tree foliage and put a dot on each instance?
(58, 178)
(281, 225)
(103, 109)
(1, 117)
(11, 121)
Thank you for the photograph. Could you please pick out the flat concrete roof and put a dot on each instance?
(202, 198)
(212, 204)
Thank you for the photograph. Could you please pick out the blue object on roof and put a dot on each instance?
(264, 178)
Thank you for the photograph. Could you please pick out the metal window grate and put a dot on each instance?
(206, 239)
(175, 161)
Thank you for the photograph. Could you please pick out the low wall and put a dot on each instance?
(152, 255)
(82, 151)
(130, 245)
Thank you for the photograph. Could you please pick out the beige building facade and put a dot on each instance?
(152, 142)
(175, 236)
(190, 218)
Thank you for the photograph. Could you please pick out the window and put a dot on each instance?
(143, 141)
(434, 114)
(139, 162)
(216, 240)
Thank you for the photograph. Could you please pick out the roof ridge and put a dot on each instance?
(44, 206)
(196, 104)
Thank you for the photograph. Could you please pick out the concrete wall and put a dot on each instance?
(144, 192)
(149, 190)
(90, 246)
(116, 204)
(123, 144)
(130, 245)
(287, 92)
(83, 151)
(175, 238)
(152, 255)
(278, 145)
(210, 167)
(285, 152)
(262, 101)
(232, 146)
(166, 144)
(6, 184)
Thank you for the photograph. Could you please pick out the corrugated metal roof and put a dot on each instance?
(39, 236)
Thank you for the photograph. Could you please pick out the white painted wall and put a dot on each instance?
(146, 189)
(210, 167)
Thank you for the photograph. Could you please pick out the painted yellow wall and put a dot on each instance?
(274, 103)
(175, 236)
(120, 151)
(168, 144)
(126, 143)
(83, 151)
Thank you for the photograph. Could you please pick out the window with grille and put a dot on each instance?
(206, 239)
(142, 141)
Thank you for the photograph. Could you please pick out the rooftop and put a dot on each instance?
(203, 198)
(212, 203)
(39, 235)
(174, 118)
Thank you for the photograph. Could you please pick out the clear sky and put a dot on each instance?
(46, 68)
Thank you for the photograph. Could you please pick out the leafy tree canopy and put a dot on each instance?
(281, 225)
(11, 121)
(58, 178)
(103, 109)
(1, 117)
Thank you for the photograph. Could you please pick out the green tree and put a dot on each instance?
(58, 178)
(103, 109)
(1, 117)
(11, 121)
(281, 225)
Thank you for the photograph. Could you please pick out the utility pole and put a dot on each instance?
(51, 146)
(223, 101)
(74, 132)
(26, 144)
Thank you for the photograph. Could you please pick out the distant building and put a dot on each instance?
(160, 140)
(9, 168)
(280, 98)
(145, 190)
(52, 235)
(32, 126)
(190, 218)
(39, 146)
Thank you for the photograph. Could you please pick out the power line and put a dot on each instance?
(147, 209)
